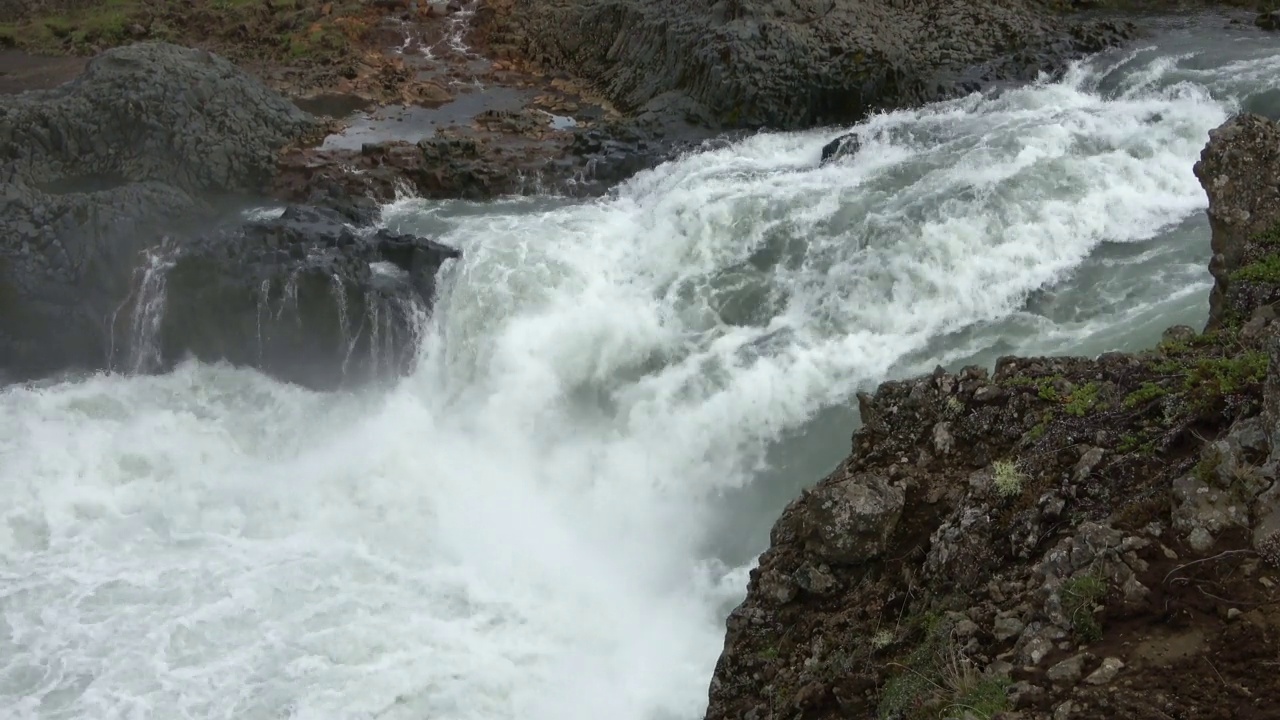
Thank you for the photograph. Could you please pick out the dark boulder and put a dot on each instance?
(845, 145)
(93, 172)
(305, 297)
(787, 65)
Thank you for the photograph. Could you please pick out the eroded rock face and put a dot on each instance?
(1240, 171)
(786, 65)
(304, 297)
(94, 172)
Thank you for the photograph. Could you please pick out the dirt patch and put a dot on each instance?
(20, 71)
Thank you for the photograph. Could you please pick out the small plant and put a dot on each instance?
(937, 679)
(954, 406)
(1147, 392)
(882, 639)
(1079, 595)
(1008, 478)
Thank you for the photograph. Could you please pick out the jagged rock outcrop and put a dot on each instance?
(787, 65)
(304, 297)
(1240, 170)
(1077, 538)
(92, 173)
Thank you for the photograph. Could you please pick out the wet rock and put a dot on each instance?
(302, 297)
(1268, 20)
(93, 173)
(843, 146)
(850, 521)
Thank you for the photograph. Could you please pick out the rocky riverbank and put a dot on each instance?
(1062, 538)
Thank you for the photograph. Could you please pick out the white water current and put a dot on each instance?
(551, 517)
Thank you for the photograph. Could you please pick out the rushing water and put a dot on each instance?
(550, 518)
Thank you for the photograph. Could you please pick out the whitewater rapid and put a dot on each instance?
(550, 518)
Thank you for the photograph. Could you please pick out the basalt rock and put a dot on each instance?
(304, 297)
(1240, 171)
(787, 65)
(96, 171)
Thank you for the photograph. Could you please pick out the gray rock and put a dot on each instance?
(1106, 672)
(817, 580)
(757, 63)
(1199, 506)
(943, 442)
(1266, 537)
(1200, 540)
(1067, 672)
(1089, 461)
(1007, 627)
(850, 521)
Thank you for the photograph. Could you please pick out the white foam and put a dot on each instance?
(519, 530)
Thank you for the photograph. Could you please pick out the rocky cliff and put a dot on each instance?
(793, 64)
(1061, 538)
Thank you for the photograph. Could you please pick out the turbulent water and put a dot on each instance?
(551, 517)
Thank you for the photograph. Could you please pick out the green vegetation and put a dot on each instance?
(935, 678)
(1008, 478)
(1079, 595)
(1145, 393)
(76, 29)
(271, 30)
(1044, 386)
(1083, 399)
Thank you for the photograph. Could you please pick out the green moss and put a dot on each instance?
(1083, 399)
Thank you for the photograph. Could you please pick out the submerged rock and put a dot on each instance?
(845, 145)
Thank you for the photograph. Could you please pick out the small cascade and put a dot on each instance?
(264, 308)
(148, 301)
